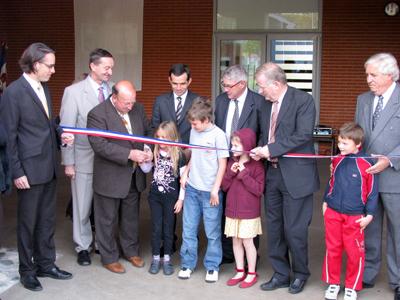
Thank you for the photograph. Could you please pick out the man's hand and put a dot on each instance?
(70, 171)
(67, 139)
(260, 152)
(139, 156)
(22, 183)
(382, 163)
(214, 199)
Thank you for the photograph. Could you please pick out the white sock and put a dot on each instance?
(156, 257)
(166, 257)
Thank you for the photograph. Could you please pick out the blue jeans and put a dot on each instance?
(197, 204)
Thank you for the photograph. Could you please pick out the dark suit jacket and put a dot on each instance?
(112, 170)
(33, 137)
(5, 176)
(249, 117)
(293, 134)
(164, 110)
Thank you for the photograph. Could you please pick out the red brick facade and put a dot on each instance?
(182, 30)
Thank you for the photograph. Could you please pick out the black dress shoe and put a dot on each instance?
(273, 284)
(54, 273)
(297, 286)
(397, 293)
(367, 285)
(84, 258)
(30, 282)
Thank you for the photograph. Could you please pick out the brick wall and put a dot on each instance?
(352, 31)
(174, 31)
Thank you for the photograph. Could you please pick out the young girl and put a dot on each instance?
(165, 197)
(244, 184)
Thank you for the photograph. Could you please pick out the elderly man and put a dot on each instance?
(378, 114)
(117, 178)
(77, 101)
(236, 108)
(32, 144)
(290, 182)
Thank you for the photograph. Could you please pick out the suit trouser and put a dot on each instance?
(116, 215)
(36, 227)
(82, 195)
(1, 221)
(389, 204)
(342, 232)
(287, 228)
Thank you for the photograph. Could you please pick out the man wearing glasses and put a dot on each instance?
(236, 108)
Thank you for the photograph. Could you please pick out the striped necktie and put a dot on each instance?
(377, 112)
(100, 96)
(179, 109)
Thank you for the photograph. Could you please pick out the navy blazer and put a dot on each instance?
(164, 110)
(250, 115)
(294, 134)
(33, 137)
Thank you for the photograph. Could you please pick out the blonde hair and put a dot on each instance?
(172, 134)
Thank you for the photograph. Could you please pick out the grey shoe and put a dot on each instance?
(168, 268)
(155, 266)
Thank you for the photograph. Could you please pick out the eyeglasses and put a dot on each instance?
(47, 65)
(227, 86)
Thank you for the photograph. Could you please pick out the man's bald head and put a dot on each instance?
(123, 96)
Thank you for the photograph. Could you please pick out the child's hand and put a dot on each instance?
(178, 206)
(214, 199)
(235, 167)
(241, 167)
(364, 221)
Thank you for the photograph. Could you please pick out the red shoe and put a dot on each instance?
(245, 284)
(235, 281)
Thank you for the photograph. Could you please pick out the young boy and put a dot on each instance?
(201, 180)
(349, 204)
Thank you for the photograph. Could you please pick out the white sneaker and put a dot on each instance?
(332, 292)
(211, 276)
(184, 273)
(350, 294)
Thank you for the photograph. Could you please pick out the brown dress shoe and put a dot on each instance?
(136, 261)
(115, 267)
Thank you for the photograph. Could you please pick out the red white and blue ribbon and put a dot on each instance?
(155, 141)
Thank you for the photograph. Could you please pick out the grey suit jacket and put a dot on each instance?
(33, 138)
(77, 101)
(293, 134)
(249, 117)
(164, 110)
(385, 138)
(112, 170)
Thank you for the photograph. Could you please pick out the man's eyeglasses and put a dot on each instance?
(227, 86)
(47, 65)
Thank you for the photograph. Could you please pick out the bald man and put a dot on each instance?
(117, 179)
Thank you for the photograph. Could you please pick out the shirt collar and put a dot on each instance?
(33, 83)
(183, 96)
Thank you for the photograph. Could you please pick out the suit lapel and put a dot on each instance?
(286, 102)
(186, 106)
(391, 108)
(35, 97)
(116, 123)
(224, 109)
(171, 106)
(246, 111)
(90, 95)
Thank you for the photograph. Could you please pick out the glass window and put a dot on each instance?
(262, 14)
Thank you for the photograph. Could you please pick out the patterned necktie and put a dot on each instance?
(100, 96)
(377, 112)
(235, 118)
(274, 118)
(179, 108)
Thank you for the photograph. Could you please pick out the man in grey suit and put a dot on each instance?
(33, 140)
(117, 178)
(78, 100)
(378, 113)
(238, 107)
(290, 182)
(174, 105)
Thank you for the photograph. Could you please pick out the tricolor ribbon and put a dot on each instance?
(155, 141)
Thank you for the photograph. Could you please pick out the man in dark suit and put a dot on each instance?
(32, 145)
(378, 113)
(117, 178)
(174, 105)
(290, 182)
(236, 108)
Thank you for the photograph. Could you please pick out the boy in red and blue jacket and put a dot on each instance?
(349, 204)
